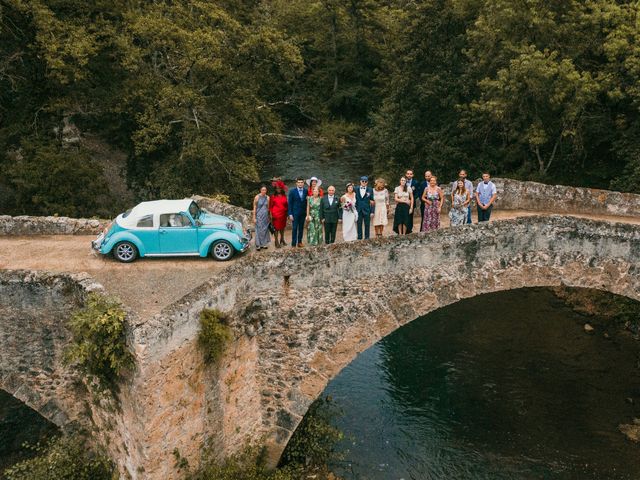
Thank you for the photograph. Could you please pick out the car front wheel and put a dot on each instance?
(222, 250)
(125, 252)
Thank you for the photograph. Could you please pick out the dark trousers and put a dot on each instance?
(484, 215)
(469, 214)
(422, 205)
(297, 229)
(330, 232)
(366, 219)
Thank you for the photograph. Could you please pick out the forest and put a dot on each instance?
(190, 93)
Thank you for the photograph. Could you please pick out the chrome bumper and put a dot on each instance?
(246, 240)
(97, 243)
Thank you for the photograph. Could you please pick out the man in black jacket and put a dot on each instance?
(330, 214)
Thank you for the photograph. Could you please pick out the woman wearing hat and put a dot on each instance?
(278, 207)
(315, 182)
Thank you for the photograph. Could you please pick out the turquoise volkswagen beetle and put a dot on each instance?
(171, 228)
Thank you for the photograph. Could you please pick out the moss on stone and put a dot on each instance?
(214, 334)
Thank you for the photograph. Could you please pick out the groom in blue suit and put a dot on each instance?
(365, 206)
(297, 212)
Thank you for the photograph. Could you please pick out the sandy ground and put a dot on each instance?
(149, 284)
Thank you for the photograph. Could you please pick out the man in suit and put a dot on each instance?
(330, 213)
(365, 206)
(414, 186)
(297, 212)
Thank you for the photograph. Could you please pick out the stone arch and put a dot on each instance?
(34, 308)
(301, 316)
(394, 281)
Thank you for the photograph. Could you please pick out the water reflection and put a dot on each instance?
(505, 385)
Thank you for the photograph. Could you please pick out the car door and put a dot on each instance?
(177, 234)
(148, 234)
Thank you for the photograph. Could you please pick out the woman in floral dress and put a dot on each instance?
(460, 199)
(314, 226)
(262, 218)
(432, 198)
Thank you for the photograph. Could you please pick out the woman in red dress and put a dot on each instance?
(278, 207)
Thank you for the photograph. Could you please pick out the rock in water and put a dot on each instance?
(588, 328)
(631, 431)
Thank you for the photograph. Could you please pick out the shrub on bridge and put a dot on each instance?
(99, 345)
(246, 465)
(214, 334)
(63, 457)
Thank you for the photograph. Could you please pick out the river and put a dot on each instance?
(502, 386)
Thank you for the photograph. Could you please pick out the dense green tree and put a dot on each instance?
(541, 90)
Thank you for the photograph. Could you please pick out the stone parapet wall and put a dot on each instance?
(559, 199)
(24, 225)
(30, 225)
(517, 195)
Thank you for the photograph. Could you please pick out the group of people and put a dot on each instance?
(308, 205)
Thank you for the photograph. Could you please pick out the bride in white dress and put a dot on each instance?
(349, 214)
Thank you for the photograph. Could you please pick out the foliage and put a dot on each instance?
(314, 441)
(193, 91)
(63, 458)
(538, 90)
(243, 466)
(214, 334)
(307, 455)
(99, 345)
(45, 179)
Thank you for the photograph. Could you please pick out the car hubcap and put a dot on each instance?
(125, 252)
(222, 250)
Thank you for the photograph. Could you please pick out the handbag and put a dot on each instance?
(272, 229)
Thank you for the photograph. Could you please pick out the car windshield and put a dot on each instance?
(194, 210)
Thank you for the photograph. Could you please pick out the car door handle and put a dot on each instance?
(162, 232)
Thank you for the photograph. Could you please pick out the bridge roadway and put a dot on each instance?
(147, 286)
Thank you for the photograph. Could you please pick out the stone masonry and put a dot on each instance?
(298, 320)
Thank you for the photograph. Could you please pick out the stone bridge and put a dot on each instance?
(299, 317)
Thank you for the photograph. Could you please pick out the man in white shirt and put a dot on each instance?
(330, 214)
(486, 194)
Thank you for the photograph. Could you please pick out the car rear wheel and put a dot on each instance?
(125, 252)
(222, 250)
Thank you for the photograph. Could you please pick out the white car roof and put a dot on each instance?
(153, 207)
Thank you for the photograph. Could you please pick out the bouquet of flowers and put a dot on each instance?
(348, 206)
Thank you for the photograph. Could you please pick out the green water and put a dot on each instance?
(502, 386)
(305, 158)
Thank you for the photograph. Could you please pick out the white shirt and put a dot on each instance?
(330, 198)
